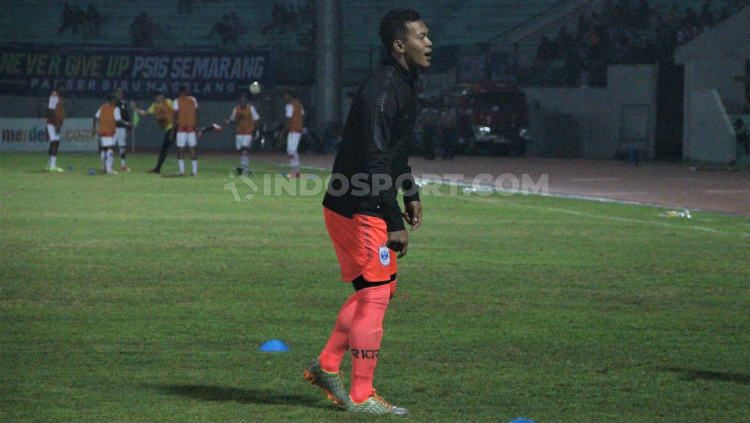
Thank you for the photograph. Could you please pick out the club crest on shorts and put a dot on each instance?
(385, 256)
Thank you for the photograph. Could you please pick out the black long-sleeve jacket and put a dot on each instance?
(372, 161)
(124, 112)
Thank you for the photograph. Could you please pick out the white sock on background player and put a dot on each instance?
(52, 161)
(294, 162)
(195, 167)
(181, 165)
(108, 161)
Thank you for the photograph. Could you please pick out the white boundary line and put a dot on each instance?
(542, 194)
(595, 179)
(611, 218)
(493, 189)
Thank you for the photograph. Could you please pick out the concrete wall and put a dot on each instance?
(603, 116)
(712, 137)
(714, 84)
(717, 58)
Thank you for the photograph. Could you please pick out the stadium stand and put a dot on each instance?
(576, 49)
(448, 21)
(285, 26)
(174, 29)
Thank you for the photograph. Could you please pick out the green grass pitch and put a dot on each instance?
(144, 298)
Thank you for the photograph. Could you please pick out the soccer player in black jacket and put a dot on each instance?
(362, 214)
(121, 135)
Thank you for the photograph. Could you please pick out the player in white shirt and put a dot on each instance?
(55, 118)
(294, 126)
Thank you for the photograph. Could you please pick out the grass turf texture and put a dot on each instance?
(144, 298)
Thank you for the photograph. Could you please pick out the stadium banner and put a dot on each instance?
(25, 134)
(95, 72)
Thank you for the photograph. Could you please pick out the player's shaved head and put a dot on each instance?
(393, 25)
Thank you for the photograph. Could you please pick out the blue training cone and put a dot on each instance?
(522, 420)
(274, 345)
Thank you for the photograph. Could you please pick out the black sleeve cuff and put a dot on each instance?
(410, 189)
(409, 198)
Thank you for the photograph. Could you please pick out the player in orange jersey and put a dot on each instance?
(107, 119)
(245, 119)
(186, 121)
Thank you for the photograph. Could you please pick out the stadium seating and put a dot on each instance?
(452, 22)
(176, 30)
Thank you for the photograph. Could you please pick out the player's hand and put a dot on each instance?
(413, 214)
(199, 134)
(398, 241)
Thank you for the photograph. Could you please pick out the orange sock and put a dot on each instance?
(364, 338)
(338, 342)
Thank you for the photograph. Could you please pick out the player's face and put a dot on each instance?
(243, 100)
(159, 98)
(118, 94)
(417, 46)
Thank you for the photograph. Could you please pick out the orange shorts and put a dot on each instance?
(360, 247)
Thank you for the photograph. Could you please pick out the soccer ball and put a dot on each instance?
(255, 88)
